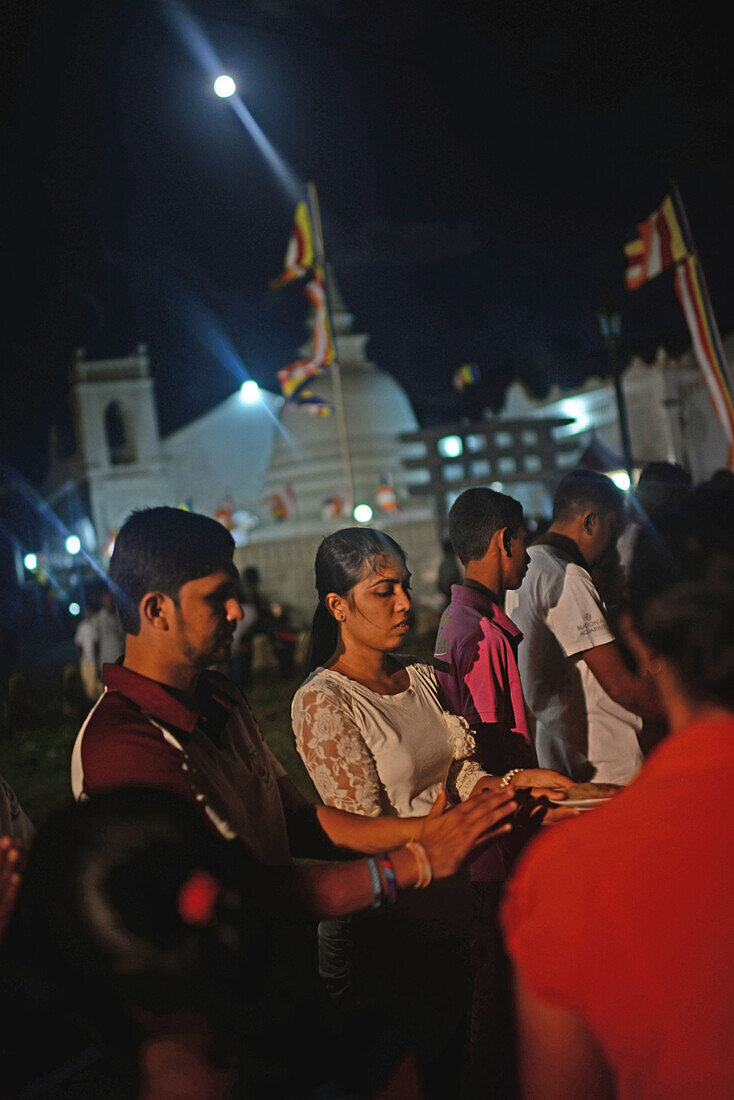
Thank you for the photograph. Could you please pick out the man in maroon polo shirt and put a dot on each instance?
(166, 720)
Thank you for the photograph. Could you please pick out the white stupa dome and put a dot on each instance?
(308, 455)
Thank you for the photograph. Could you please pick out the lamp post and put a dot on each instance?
(610, 324)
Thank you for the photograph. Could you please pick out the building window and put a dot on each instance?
(506, 465)
(450, 446)
(531, 462)
(479, 468)
(119, 447)
(529, 437)
(454, 471)
(475, 443)
(503, 439)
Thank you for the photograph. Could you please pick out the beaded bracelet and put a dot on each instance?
(378, 894)
(390, 881)
(507, 778)
(425, 872)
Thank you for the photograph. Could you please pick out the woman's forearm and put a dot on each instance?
(367, 834)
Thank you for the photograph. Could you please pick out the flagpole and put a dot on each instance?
(341, 420)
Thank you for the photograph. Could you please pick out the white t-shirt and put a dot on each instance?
(561, 615)
(110, 636)
(86, 638)
(377, 754)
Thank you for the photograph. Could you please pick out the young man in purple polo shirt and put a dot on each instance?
(475, 659)
(475, 655)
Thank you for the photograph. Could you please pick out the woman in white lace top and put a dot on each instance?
(370, 726)
(376, 740)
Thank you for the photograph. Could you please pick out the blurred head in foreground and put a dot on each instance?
(681, 590)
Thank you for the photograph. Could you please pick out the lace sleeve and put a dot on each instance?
(332, 748)
(465, 770)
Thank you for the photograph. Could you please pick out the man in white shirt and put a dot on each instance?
(587, 703)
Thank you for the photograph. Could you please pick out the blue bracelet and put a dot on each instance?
(377, 892)
(390, 880)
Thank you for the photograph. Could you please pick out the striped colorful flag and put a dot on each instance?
(281, 503)
(660, 244)
(299, 256)
(313, 404)
(295, 376)
(693, 296)
(466, 375)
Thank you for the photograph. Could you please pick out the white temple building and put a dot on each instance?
(670, 414)
(272, 472)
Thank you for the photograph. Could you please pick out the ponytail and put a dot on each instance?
(324, 636)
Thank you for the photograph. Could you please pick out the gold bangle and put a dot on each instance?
(419, 854)
(507, 778)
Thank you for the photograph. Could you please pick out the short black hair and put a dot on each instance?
(474, 517)
(160, 550)
(582, 489)
(661, 483)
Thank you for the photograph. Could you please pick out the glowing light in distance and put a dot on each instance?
(73, 545)
(362, 513)
(224, 86)
(621, 479)
(30, 561)
(249, 392)
(450, 446)
(74, 608)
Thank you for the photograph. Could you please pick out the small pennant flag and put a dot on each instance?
(466, 375)
(313, 404)
(299, 256)
(281, 503)
(385, 496)
(335, 506)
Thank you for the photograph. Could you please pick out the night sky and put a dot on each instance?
(479, 169)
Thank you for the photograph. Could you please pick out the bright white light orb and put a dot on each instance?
(74, 608)
(621, 479)
(30, 561)
(450, 446)
(362, 513)
(73, 545)
(249, 392)
(224, 86)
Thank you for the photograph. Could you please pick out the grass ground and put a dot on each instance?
(35, 756)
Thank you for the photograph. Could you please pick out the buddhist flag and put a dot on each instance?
(693, 296)
(281, 503)
(385, 497)
(313, 404)
(466, 375)
(660, 244)
(295, 377)
(299, 256)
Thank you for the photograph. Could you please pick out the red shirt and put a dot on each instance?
(626, 917)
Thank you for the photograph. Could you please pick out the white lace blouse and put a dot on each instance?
(377, 754)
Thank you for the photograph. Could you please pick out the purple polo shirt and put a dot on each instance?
(475, 658)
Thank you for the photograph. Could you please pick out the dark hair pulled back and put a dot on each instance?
(340, 564)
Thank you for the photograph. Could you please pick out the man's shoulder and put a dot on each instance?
(116, 715)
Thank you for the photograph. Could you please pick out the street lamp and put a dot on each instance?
(610, 324)
(224, 86)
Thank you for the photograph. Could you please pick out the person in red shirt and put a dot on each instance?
(619, 924)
